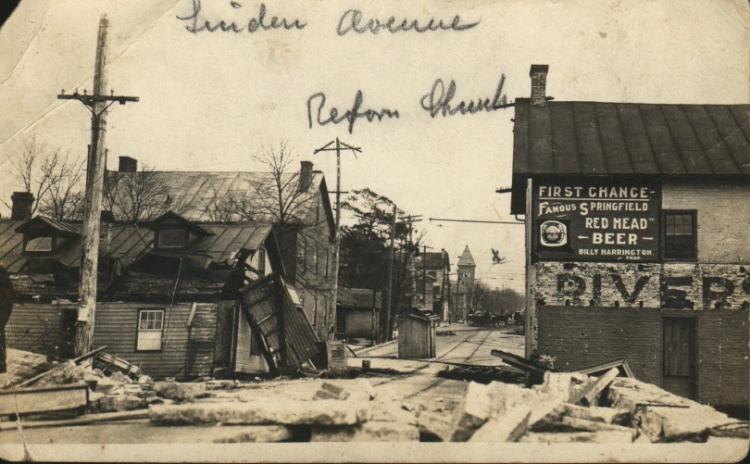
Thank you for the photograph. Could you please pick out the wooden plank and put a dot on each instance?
(193, 306)
(44, 399)
(519, 362)
(83, 420)
(592, 391)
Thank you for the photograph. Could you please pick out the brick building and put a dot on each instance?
(637, 238)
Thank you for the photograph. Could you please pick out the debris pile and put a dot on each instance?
(22, 365)
(574, 407)
(322, 412)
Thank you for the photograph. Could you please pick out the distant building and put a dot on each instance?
(464, 292)
(637, 216)
(436, 265)
(358, 312)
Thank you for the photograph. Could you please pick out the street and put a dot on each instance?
(413, 382)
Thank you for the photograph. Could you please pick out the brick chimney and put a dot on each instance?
(22, 203)
(305, 175)
(538, 74)
(128, 164)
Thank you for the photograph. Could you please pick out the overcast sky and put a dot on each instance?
(210, 100)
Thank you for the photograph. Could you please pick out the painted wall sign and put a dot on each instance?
(596, 220)
(659, 286)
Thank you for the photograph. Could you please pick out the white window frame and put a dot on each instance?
(150, 338)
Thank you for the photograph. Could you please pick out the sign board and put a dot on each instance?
(596, 220)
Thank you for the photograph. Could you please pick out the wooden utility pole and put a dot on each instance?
(97, 103)
(391, 257)
(337, 146)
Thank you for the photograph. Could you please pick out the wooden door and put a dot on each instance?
(679, 366)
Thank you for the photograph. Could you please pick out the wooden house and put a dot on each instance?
(168, 296)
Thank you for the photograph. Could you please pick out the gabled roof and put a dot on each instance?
(433, 260)
(174, 218)
(196, 195)
(466, 259)
(43, 222)
(596, 138)
(628, 139)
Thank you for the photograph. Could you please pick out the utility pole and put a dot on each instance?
(424, 275)
(337, 147)
(97, 103)
(391, 257)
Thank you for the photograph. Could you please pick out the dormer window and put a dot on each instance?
(173, 232)
(46, 235)
(171, 238)
(39, 244)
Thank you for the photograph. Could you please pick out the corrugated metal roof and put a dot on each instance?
(129, 242)
(194, 195)
(597, 138)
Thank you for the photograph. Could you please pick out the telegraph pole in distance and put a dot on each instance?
(337, 145)
(97, 103)
(391, 257)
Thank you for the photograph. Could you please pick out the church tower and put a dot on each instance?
(464, 284)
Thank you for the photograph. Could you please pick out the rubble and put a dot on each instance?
(22, 365)
(665, 417)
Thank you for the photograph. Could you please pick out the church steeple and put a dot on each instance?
(466, 259)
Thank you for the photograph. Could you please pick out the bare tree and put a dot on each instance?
(53, 177)
(278, 197)
(137, 196)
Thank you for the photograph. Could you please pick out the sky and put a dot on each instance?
(212, 100)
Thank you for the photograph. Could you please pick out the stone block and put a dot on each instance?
(368, 431)
(180, 391)
(577, 437)
(507, 427)
(262, 412)
(254, 434)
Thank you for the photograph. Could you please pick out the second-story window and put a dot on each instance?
(172, 238)
(680, 235)
(39, 244)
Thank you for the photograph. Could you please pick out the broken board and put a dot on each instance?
(43, 399)
(286, 337)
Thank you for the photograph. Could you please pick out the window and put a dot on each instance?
(171, 238)
(261, 261)
(315, 311)
(150, 325)
(303, 245)
(38, 244)
(326, 268)
(680, 235)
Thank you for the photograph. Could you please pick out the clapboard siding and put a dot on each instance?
(42, 328)
(186, 352)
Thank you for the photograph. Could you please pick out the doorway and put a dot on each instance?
(679, 356)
